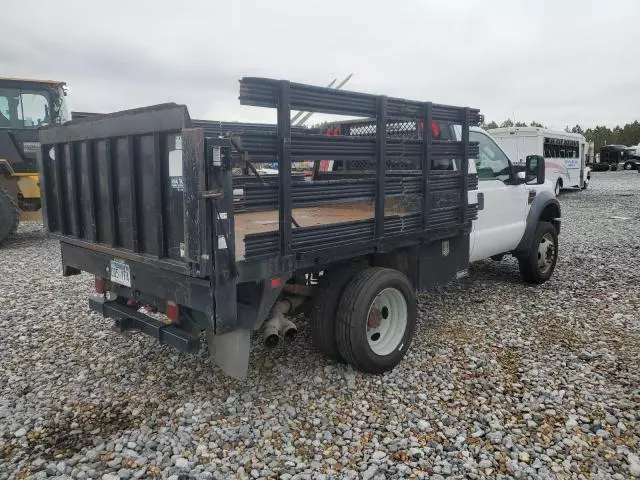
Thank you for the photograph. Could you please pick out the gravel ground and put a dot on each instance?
(503, 380)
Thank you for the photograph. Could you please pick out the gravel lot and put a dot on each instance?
(503, 380)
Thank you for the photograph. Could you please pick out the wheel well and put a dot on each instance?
(551, 213)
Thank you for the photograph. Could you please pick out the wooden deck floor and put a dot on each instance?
(260, 222)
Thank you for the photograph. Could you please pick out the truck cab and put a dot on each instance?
(518, 213)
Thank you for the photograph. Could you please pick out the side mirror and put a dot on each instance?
(534, 169)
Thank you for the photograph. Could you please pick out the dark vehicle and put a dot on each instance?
(25, 105)
(151, 207)
(632, 159)
(612, 155)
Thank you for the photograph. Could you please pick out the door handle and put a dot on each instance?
(480, 201)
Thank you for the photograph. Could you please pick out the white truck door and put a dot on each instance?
(502, 204)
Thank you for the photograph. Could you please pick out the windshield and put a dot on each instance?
(24, 109)
(32, 108)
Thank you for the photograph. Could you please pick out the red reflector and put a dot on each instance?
(99, 285)
(276, 282)
(435, 129)
(173, 311)
(131, 303)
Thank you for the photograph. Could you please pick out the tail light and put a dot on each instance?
(173, 311)
(435, 128)
(99, 284)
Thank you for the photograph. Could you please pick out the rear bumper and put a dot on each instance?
(130, 319)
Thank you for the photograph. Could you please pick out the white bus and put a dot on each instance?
(564, 153)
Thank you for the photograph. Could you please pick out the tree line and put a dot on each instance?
(601, 135)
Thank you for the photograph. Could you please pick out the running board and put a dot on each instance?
(129, 319)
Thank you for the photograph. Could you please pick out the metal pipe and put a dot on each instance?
(288, 330)
(299, 114)
(271, 333)
(277, 326)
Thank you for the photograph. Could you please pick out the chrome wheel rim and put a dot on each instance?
(546, 253)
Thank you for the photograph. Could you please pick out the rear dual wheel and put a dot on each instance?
(374, 322)
(324, 311)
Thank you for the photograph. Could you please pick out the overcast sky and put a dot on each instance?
(558, 62)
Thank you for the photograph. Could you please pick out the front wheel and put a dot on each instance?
(629, 166)
(538, 264)
(376, 320)
(558, 188)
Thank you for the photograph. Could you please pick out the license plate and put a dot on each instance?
(120, 273)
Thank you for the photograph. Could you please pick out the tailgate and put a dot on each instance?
(127, 185)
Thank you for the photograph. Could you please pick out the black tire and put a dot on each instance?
(558, 188)
(9, 214)
(497, 258)
(353, 319)
(530, 267)
(325, 309)
(585, 183)
(629, 166)
(613, 167)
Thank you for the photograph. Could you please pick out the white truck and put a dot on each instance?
(564, 153)
(153, 209)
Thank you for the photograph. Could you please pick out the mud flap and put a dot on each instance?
(230, 352)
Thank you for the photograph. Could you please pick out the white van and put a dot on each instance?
(564, 153)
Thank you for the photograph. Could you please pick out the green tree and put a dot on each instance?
(491, 125)
(631, 134)
(520, 124)
(536, 124)
(507, 123)
(577, 129)
(617, 134)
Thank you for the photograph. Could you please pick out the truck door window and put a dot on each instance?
(492, 163)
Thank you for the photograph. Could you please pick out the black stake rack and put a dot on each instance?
(395, 155)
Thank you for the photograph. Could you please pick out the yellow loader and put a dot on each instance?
(25, 106)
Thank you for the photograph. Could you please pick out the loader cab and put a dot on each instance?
(30, 104)
(25, 106)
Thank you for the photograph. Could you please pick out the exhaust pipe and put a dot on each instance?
(278, 326)
(271, 334)
(288, 330)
